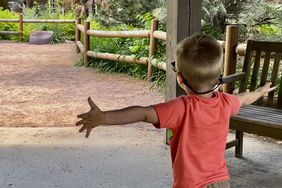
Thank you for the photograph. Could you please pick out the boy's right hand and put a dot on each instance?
(266, 89)
(247, 98)
(91, 119)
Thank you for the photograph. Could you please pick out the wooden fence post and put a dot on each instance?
(20, 27)
(153, 48)
(77, 33)
(230, 58)
(86, 43)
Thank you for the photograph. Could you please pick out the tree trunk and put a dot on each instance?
(29, 3)
(4, 4)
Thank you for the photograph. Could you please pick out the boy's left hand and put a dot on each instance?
(91, 119)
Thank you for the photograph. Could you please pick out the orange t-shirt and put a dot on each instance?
(200, 127)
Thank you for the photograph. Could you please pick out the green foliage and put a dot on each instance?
(211, 30)
(263, 22)
(61, 32)
(126, 11)
(6, 26)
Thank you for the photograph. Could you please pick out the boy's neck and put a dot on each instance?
(207, 95)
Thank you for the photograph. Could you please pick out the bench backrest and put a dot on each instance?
(262, 64)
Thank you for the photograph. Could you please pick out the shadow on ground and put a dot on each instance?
(261, 166)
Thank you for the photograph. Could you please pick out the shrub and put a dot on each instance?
(62, 32)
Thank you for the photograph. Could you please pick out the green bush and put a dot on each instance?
(6, 26)
(61, 31)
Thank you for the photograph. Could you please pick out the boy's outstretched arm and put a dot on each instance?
(96, 117)
(247, 98)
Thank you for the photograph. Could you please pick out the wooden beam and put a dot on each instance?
(160, 35)
(47, 21)
(118, 57)
(183, 19)
(9, 32)
(9, 20)
(230, 59)
(126, 34)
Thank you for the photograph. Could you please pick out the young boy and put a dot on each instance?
(199, 121)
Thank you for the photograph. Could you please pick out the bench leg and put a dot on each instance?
(239, 147)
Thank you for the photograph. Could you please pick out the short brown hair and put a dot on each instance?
(199, 60)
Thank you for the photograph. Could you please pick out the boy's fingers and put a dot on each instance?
(83, 121)
(82, 128)
(271, 89)
(82, 115)
(91, 103)
(88, 130)
(79, 123)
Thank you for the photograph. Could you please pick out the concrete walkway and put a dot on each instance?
(133, 156)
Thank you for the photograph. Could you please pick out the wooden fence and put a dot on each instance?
(21, 22)
(152, 34)
(230, 47)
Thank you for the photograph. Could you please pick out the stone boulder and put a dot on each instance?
(40, 37)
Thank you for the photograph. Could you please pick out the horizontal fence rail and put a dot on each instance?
(159, 35)
(9, 20)
(80, 46)
(9, 32)
(47, 21)
(118, 57)
(80, 27)
(120, 34)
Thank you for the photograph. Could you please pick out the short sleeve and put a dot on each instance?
(235, 104)
(170, 113)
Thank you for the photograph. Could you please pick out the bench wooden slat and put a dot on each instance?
(262, 108)
(270, 120)
(255, 71)
(267, 46)
(266, 115)
(279, 100)
(265, 68)
(262, 114)
(274, 77)
(264, 73)
(246, 66)
(259, 128)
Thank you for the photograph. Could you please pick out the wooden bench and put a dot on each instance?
(261, 64)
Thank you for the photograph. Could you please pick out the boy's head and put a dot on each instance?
(199, 61)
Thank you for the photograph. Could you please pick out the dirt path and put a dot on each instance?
(40, 87)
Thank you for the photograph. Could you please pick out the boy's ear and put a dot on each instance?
(180, 78)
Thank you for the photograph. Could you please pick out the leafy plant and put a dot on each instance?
(263, 22)
(61, 32)
(127, 11)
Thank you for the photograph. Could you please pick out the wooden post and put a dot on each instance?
(86, 43)
(4, 4)
(20, 27)
(183, 20)
(153, 48)
(77, 33)
(230, 58)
